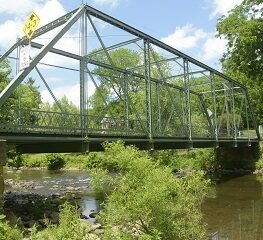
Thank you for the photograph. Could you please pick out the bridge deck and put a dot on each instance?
(40, 143)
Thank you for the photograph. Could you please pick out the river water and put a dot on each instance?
(233, 210)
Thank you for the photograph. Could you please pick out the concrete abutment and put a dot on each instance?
(243, 157)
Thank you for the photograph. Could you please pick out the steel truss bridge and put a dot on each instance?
(163, 100)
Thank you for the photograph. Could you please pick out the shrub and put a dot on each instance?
(55, 161)
(70, 226)
(16, 161)
(34, 160)
(148, 201)
(9, 232)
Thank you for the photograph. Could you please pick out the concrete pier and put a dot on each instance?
(231, 157)
(3, 159)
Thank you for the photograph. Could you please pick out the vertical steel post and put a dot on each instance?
(83, 75)
(188, 103)
(184, 121)
(227, 111)
(212, 84)
(233, 111)
(158, 107)
(147, 72)
(126, 99)
(246, 102)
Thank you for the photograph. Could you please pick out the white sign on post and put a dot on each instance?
(24, 57)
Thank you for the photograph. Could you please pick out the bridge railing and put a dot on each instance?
(39, 121)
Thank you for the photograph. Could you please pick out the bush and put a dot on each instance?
(16, 161)
(34, 160)
(196, 159)
(70, 226)
(55, 161)
(9, 232)
(148, 201)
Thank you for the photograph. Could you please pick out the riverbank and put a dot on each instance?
(41, 183)
(179, 160)
(33, 198)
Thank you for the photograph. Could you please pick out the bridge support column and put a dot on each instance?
(3, 159)
(241, 157)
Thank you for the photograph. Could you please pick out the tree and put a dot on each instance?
(63, 117)
(243, 29)
(26, 96)
(147, 201)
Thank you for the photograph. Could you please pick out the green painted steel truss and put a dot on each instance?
(166, 100)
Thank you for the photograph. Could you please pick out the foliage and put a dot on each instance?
(195, 159)
(16, 161)
(8, 231)
(26, 95)
(66, 105)
(243, 29)
(70, 226)
(148, 201)
(55, 161)
(34, 160)
(259, 163)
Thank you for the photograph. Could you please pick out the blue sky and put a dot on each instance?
(188, 25)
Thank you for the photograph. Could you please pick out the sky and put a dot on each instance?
(189, 26)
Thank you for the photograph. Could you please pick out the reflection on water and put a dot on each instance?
(235, 209)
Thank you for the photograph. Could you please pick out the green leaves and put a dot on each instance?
(147, 201)
(243, 29)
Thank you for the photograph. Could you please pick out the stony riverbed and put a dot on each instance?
(34, 196)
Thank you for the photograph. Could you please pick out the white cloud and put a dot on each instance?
(70, 91)
(20, 7)
(221, 7)
(112, 3)
(185, 37)
(213, 48)
(10, 31)
(47, 12)
(13, 27)
(50, 11)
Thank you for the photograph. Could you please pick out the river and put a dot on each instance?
(232, 211)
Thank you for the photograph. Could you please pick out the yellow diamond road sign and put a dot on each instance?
(31, 25)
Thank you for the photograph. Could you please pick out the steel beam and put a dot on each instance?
(118, 45)
(155, 62)
(48, 27)
(110, 67)
(213, 95)
(49, 89)
(205, 112)
(117, 23)
(188, 101)
(21, 76)
(182, 75)
(83, 75)
(162, 78)
(148, 88)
